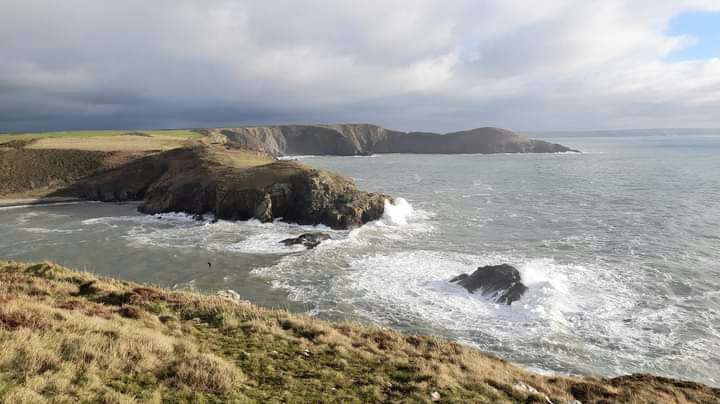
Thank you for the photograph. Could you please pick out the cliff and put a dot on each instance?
(31, 172)
(69, 336)
(199, 180)
(362, 139)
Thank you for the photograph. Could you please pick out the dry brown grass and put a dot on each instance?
(70, 336)
(34, 173)
(239, 158)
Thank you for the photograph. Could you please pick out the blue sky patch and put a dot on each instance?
(704, 27)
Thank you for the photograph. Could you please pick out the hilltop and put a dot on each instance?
(362, 139)
(195, 176)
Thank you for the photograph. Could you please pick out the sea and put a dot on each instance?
(619, 247)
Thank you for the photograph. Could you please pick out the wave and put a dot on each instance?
(397, 212)
(568, 310)
(43, 230)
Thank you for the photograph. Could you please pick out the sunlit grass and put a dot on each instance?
(174, 133)
(69, 336)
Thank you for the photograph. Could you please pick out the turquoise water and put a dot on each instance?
(619, 246)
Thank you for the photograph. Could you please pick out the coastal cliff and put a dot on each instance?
(363, 139)
(196, 180)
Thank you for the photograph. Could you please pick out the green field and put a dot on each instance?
(175, 133)
(104, 140)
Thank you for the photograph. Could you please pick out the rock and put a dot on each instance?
(435, 396)
(230, 295)
(530, 390)
(192, 180)
(500, 282)
(87, 288)
(309, 240)
(364, 139)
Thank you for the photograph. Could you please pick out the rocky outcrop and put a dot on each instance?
(190, 180)
(501, 283)
(361, 139)
(309, 240)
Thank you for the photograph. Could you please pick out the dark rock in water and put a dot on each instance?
(199, 217)
(502, 282)
(309, 240)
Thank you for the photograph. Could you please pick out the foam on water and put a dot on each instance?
(42, 230)
(417, 284)
(568, 310)
(622, 270)
(397, 212)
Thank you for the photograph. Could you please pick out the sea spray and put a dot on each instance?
(397, 212)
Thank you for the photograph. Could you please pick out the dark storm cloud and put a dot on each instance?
(413, 65)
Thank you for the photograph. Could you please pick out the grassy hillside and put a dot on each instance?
(33, 173)
(103, 140)
(72, 337)
(29, 171)
(179, 133)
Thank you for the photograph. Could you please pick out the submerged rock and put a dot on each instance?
(500, 282)
(309, 240)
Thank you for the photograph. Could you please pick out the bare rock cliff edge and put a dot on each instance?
(362, 139)
(190, 180)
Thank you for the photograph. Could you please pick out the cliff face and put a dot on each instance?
(359, 139)
(192, 180)
(35, 172)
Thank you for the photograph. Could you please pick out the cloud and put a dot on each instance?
(414, 65)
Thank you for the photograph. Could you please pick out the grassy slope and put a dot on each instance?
(71, 337)
(28, 171)
(104, 140)
(179, 133)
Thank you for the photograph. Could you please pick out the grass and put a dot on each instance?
(105, 140)
(35, 173)
(239, 158)
(70, 336)
(175, 133)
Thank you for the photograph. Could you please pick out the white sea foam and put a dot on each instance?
(43, 230)
(397, 212)
(413, 287)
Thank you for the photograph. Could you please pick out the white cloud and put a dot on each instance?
(406, 64)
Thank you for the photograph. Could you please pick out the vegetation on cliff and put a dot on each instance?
(199, 177)
(31, 172)
(208, 179)
(72, 337)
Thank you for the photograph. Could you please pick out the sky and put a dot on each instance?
(425, 65)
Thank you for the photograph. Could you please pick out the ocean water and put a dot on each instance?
(619, 247)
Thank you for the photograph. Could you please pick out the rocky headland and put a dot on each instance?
(195, 181)
(363, 139)
(229, 182)
(232, 172)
